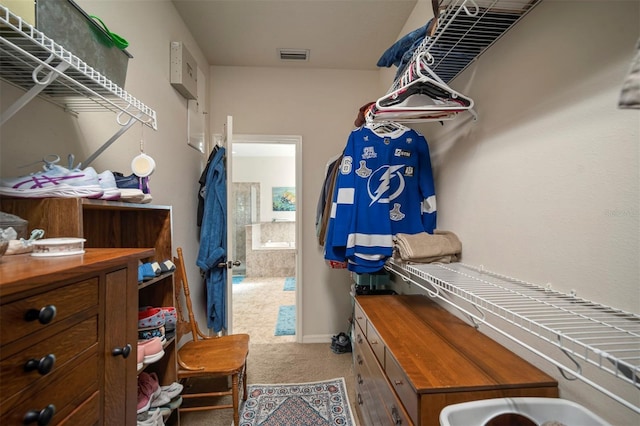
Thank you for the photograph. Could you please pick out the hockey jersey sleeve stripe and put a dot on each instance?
(346, 196)
(429, 204)
(370, 240)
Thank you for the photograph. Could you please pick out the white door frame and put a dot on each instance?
(297, 141)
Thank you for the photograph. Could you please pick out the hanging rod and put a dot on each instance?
(32, 61)
(602, 336)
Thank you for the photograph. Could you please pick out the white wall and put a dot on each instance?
(41, 128)
(270, 172)
(544, 187)
(319, 105)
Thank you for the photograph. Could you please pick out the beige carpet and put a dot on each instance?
(275, 359)
(255, 308)
(285, 363)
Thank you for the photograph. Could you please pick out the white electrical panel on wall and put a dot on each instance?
(184, 71)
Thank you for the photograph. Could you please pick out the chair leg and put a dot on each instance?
(244, 381)
(234, 384)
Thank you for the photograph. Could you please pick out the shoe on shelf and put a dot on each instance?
(148, 388)
(173, 390)
(131, 195)
(160, 400)
(151, 349)
(167, 266)
(54, 181)
(164, 412)
(170, 318)
(151, 418)
(108, 184)
(149, 317)
(146, 271)
(150, 333)
(140, 359)
(131, 181)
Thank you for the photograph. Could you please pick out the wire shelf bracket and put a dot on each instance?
(42, 68)
(588, 332)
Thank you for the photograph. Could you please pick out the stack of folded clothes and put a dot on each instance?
(441, 246)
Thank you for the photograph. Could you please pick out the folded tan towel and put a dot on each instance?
(441, 246)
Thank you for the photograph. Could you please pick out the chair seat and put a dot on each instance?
(222, 355)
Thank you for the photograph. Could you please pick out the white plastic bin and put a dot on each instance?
(538, 410)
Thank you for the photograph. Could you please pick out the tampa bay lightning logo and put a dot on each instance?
(385, 184)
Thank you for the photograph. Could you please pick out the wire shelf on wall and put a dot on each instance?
(602, 336)
(465, 30)
(34, 62)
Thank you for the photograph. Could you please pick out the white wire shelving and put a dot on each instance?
(465, 30)
(587, 332)
(42, 68)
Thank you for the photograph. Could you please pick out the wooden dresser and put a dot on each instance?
(67, 325)
(412, 358)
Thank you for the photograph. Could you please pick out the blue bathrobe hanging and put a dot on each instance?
(213, 241)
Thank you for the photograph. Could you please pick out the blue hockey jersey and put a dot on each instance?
(384, 187)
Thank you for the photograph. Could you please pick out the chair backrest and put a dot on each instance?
(188, 324)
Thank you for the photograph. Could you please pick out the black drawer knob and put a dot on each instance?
(41, 418)
(44, 365)
(45, 315)
(124, 351)
(360, 381)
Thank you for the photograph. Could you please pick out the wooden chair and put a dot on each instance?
(208, 356)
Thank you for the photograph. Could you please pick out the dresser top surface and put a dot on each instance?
(438, 351)
(23, 271)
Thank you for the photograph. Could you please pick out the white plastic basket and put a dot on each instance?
(538, 410)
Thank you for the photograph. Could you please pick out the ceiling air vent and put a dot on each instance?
(294, 54)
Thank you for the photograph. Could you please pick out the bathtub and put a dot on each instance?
(270, 250)
(278, 244)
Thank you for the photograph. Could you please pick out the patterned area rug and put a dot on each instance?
(289, 284)
(306, 404)
(286, 325)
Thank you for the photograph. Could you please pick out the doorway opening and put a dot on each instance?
(266, 185)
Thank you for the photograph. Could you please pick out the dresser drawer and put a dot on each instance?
(65, 393)
(361, 320)
(402, 387)
(368, 378)
(396, 414)
(87, 414)
(64, 301)
(376, 343)
(63, 348)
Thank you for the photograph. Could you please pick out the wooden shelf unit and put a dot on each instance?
(109, 224)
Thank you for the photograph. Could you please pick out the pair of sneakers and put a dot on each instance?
(150, 270)
(57, 181)
(149, 351)
(134, 189)
(152, 395)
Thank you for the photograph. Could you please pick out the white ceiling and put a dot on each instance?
(340, 34)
